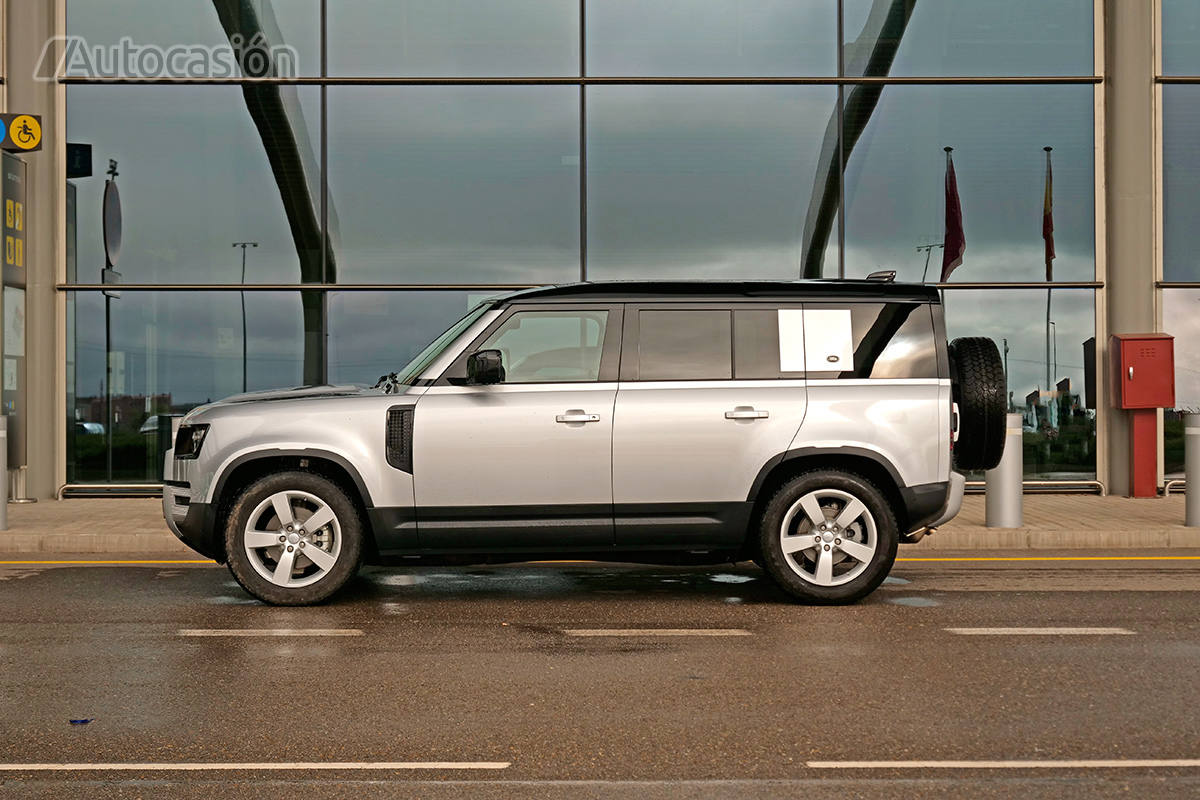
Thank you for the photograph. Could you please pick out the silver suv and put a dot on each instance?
(807, 426)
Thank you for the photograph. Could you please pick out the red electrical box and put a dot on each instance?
(1143, 370)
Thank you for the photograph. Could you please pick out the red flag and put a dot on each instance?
(955, 241)
(1048, 219)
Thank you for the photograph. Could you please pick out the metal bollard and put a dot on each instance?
(3, 472)
(1004, 505)
(1191, 467)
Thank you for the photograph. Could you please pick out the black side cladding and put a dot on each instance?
(399, 438)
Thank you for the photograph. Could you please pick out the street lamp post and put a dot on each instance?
(244, 245)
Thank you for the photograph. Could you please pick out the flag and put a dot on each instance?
(1048, 219)
(955, 241)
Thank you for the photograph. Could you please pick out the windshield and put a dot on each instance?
(409, 374)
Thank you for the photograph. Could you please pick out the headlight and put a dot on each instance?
(189, 439)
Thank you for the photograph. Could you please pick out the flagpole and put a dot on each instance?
(1049, 267)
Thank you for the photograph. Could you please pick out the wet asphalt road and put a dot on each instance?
(473, 665)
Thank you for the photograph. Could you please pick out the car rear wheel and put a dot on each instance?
(828, 537)
(293, 539)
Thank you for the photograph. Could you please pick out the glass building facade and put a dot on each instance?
(319, 207)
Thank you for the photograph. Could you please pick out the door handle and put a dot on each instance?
(745, 412)
(575, 415)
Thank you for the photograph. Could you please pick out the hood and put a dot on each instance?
(300, 392)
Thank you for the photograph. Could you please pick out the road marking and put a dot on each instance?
(656, 632)
(269, 632)
(1145, 763)
(212, 563)
(1041, 631)
(1059, 558)
(269, 765)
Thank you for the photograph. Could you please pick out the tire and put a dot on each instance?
(797, 562)
(979, 390)
(256, 557)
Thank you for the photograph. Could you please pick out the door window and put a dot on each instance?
(550, 346)
(685, 345)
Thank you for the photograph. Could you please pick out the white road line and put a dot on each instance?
(1041, 631)
(656, 632)
(276, 765)
(269, 632)
(1133, 763)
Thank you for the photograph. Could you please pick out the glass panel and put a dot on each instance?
(200, 169)
(682, 185)
(890, 340)
(712, 38)
(1181, 318)
(462, 184)
(453, 38)
(1060, 425)
(191, 39)
(374, 333)
(685, 345)
(1180, 37)
(968, 37)
(171, 351)
(1181, 177)
(550, 346)
(896, 181)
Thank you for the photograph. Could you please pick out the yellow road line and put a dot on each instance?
(1060, 558)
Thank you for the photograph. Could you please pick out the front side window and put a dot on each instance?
(550, 346)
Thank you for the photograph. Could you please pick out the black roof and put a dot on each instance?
(725, 290)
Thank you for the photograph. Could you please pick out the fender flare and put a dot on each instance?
(259, 455)
(808, 452)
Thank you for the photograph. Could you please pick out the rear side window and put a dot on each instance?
(824, 341)
(685, 345)
(888, 340)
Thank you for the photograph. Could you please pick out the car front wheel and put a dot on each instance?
(293, 539)
(828, 537)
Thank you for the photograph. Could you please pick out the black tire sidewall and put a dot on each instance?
(349, 521)
(776, 564)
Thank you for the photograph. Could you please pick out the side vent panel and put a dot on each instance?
(399, 438)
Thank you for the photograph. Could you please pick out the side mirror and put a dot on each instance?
(485, 367)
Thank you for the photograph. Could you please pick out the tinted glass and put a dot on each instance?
(890, 340)
(1060, 426)
(189, 39)
(896, 179)
(968, 37)
(453, 38)
(756, 345)
(374, 333)
(550, 346)
(715, 37)
(681, 185)
(172, 351)
(1180, 37)
(1181, 179)
(684, 345)
(197, 174)
(454, 184)
(1181, 319)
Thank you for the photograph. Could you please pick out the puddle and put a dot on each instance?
(731, 578)
(228, 600)
(918, 602)
(892, 580)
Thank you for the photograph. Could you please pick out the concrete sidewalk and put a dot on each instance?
(1052, 522)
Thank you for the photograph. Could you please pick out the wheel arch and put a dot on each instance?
(867, 463)
(249, 467)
